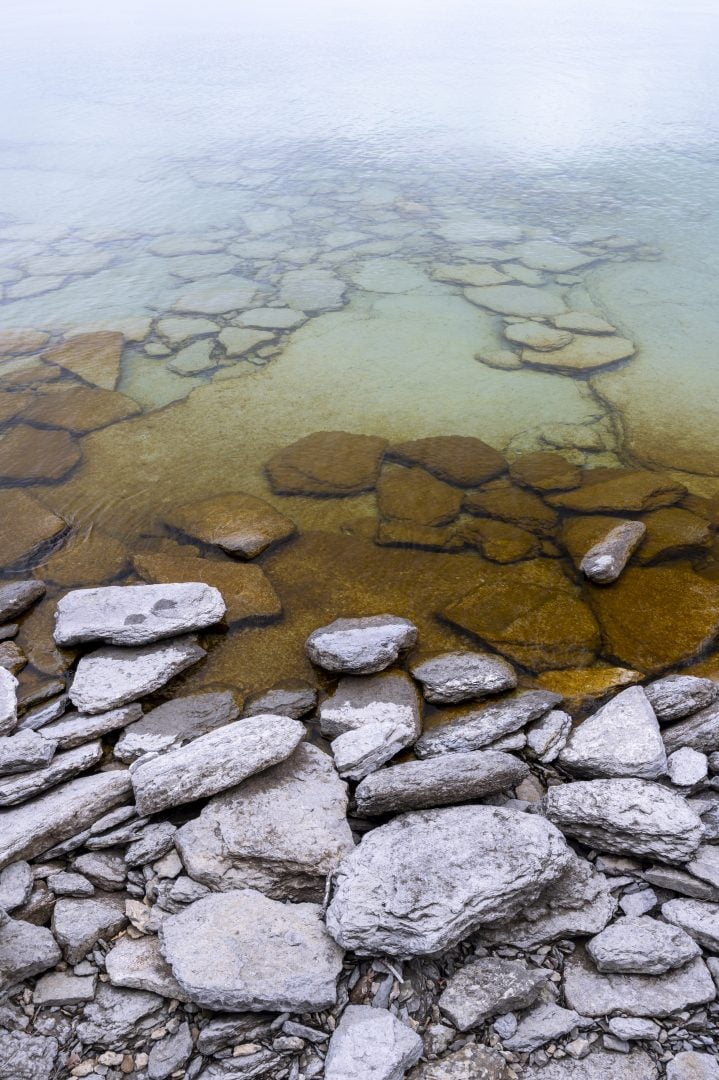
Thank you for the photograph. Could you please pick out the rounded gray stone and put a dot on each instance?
(463, 676)
(360, 646)
(642, 946)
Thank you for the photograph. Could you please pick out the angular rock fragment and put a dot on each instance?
(78, 924)
(111, 676)
(118, 1015)
(699, 731)
(67, 884)
(704, 864)
(677, 696)
(699, 919)
(327, 463)
(17, 596)
(168, 1056)
(472, 728)
(293, 697)
(690, 1065)
(621, 739)
(537, 336)
(414, 495)
(23, 786)
(154, 841)
(136, 614)
(490, 987)
(463, 676)
(605, 561)
(175, 723)
(371, 1042)
(8, 701)
(472, 1062)
(62, 988)
(25, 751)
(94, 357)
(545, 470)
(506, 501)
(107, 871)
(240, 950)
(138, 963)
(240, 524)
(628, 1029)
(27, 528)
(547, 737)
(360, 646)
(542, 1024)
(281, 832)
(27, 1057)
(214, 762)
(628, 816)
(450, 778)
(427, 879)
(642, 946)
(457, 459)
(598, 994)
(585, 352)
(675, 880)
(636, 1065)
(16, 882)
(73, 728)
(25, 950)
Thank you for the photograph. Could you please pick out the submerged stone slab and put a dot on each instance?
(457, 459)
(471, 728)
(214, 762)
(136, 614)
(461, 676)
(80, 408)
(629, 816)
(327, 463)
(240, 524)
(585, 352)
(450, 778)
(371, 1042)
(642, 946)
(360, 646)
(175, 723)
(605, 561)
(621, 739)
(598, 994)
(111, 676)
(537, 336)
(241, 951)
(281, 832)
(545, 470)
(94, 357)
(615, 490)
(428, 879)
(677, 696)
(490, 987)
(414, 495)
(216, 295)
(517, 300)
(26, 526)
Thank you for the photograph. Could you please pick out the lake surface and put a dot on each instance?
(308, 218)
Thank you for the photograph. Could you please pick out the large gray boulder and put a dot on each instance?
(27, 1057)
(490, 987)
(473, 728)
(214, 762)
(633, 817)
(360, 646)
(242, 951)
(73, 728)
(463, 676)
(24, 751)
(136, 614)
(371, 1043)
(641, 946)
(25, 950)
(440, 781)
(679, 695)
(599, 1065)
(281, 832)
(23, 786)
(175, 723)
(597, 994)
(37, 826)
(110, 677)
(699, 731)
(428, 879)
(620, 739)
(699, 919)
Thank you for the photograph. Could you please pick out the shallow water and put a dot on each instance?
(158, 164)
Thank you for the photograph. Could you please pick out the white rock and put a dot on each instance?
(8, 701)
(372, 1043)
(463, 676)
(472, 728)
(23, 786)
(620, 739)
(360, 646)
(25, 950)
(542, 1024)
(73, 729)
(110, 677)
(687, 767)
(599, 1065)
(547, 737)
(606, 559)
(489, 987)
(600, 994)
(175, 723)
(24, 751)
(16, 882)
(138, 963)
(639, 902)
(679, 695)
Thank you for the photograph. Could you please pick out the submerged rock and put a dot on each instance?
(26, 527)
(672, 532)
(30, 454)
(462, 676)
(643, 946)
(360, 646)
(611, 490)
(537, 336)
(471, 728)
(490, 987)
(80, 408)
(621, 739)
(428, 879)
(240, 524)
(457, 459)
(605, 561)
(327, 463)
(517, 300)
(94, 357)
(507, 501)
(371, 1042)
(585, 352)
(598, 994)
(175, 723)
(413, 494)
(111, 676)
(545, 470)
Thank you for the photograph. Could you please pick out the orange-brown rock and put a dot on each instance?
(499, 541)
(25, 526)
(611, 490)
(415, 495)
(507, 501)
(28, 373)
(327, 463)
(18, 341)
(240, 524)
(707, 508)
(36, 454)
(12, 405)
(671, 532)
(657, 617)
(458, 459)
(409, 534)
(38, 644)
(545, 470)
(533, 614)
(88, 558)
(582, 688)
(247, 591)
(79, 408)
(94, 357)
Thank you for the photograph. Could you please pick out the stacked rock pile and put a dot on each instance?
(199, 891)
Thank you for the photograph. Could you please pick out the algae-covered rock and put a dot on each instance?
(581, 687)
(504, 500)
(415, 495)
(327, 463)
(673, 531)
(545, 470)
(457, 459)
(608, 490)
(240, 524)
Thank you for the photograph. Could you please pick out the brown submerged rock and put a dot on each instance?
(504, 500)
(533, 615)
(18, 341)
(584, 353)
(416, 496)
(611, 490)
(408, 534)
(80, 408)
(655, 618)
(28, 373)
(499, 541)
(240, 524)
(25, 526)
(94, 357)
(545, 471)
(12, 405)
(89, 558)
(327, 463)
(584, 687)
(673, 531)
(458, 459)
(36, 454)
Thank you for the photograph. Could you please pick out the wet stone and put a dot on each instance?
(175, 723)
(371, 1042)
(456, 459)
(240, 524)
(85, 559)
(462, 676)
(537, 336)
(80, 409)
(269, 318)
(327, 463)
(237, 341)
(672, 532)
(677, 696)
(469, 274)
(545, 470)
(471, 728)
(417, 496)
(36, 454)
(517, 300)
(584, 687)
(642, 946)
(14, 342)
(94, 357)
(360, 646)
(216, 295)
(583, 322)
(585, 352)
(179, 330)
(17, 596)
(110, 677)
(490, 987)
(617, 490)
(508, 502)
(549, 255)
(293, 697)
(621, 739)
(193, 359)
(604, 562)
(499, 541)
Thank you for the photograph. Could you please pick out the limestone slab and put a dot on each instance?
(110, 677)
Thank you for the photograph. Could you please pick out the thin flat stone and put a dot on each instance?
(292, 697)
(642, 946)
(544, 1023)
(585, 352)
(583, 322)
(64, 766)
(33, 454)
(327, 463)
(517, 300)
(677, 696)
(24, 752)
(462, 676)
(604, 562)
(14, 342)
(216, 295)
(616, 490)
(472, 728)
(73, 728)
(80, 408)
(547, 737)
(26, 526)
(549, 255)
(175, 723)
(699, 731)
(545, 470)
(270, 318)
(621, 739)
(598, 1065)
(62, 988)
(17, 596)
(699, 919)
(27, 1057)
(371, 1042)
(704, 864)
(139, 964)
(94, 357)
(360, 646)
(237, 341)
(214, 762)
(537, 336)
(111, 676)
(598, 994)
(469, 274)
(415, 495)
(457, 459)
(240, 524)
(193, 359)
(675, 880)
(490, 987)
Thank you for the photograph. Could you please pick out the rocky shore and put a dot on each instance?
(333, 883)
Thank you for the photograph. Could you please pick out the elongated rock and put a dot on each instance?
(8, 701)
(636, 1065)
(176, 723)
(110, 677)
(35, 827)
(621, 739)
(371, 1043)
(472, 1062)
(463, 676)
(473, 728)
(17, 596)
(73, 728)
(489, 987)
(450, 778)
(677, 696)
(17, 789)
(605, 561)
(241, 951)
(136, 614)
(633, 817)
(642, 946)
(598, 994)
(214, 762)
(542, 1024)
(699, 731)
(428, 879)
(360, 646)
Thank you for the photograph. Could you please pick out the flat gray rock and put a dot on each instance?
(690, 1065)
(138, 963)
(73, 728)
(474, 728)
(43, 714)
(463, 676)
(294, 698)
(155, 840)
(699, 731)
(620, 739)
(24, 751)
(27, 1057)
(547, 737)
(63, 988)
(627, 816)
(110, 677)
(704, 864)
(214, 762)
(23, 786)
(430, 878)
(280, 832)
(698, 918)
(169, 1054)
(39, 825)
(675, 880)
(79, 924)
(629, 1028)
(360, 646)
(69, 884)
(642, 946)
(136, 614)
(16, 883)
(490, 987)
(17, 596)
(118, 1015)
(578, 902)
(441, 781)
(679, 695)
(598, 1065)
(542, 1024)
(598, 994)
(8, 701)
(687, 767)
(472, 1062)
(606, 559)
(105, 870)
(244, 952)
(175, 723)
(25, 950)
(371, 1043)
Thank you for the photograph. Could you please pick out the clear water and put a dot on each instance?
(370, 144)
